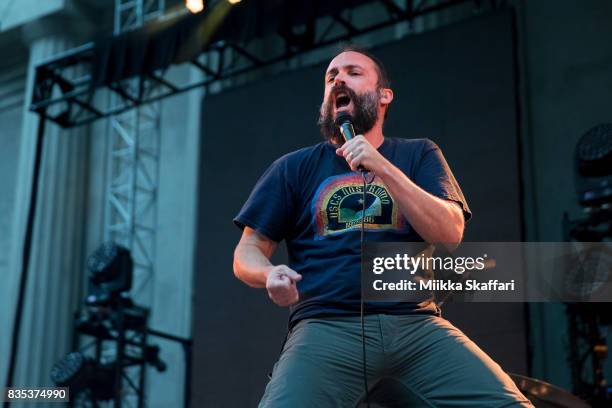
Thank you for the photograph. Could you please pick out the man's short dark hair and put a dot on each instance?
(383, 77)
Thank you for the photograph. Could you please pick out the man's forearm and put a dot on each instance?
(251, 265)
(434, 219)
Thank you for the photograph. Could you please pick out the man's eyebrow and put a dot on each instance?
(334, 71)
(352, 66)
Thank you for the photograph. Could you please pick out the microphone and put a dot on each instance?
(344, 121)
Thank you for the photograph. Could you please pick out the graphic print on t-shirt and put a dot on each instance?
(338, 205)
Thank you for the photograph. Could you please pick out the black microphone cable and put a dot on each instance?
(362, 303)
(344, 123)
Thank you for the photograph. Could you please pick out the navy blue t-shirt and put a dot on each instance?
(312, 200)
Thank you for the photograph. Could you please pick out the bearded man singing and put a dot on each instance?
(312, 199)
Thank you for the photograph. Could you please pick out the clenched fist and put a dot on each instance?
(281, 285)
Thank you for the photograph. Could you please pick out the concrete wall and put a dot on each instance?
(176, 232)
(12, 85)
(16, 13)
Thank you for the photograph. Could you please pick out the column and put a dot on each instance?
(56, 268)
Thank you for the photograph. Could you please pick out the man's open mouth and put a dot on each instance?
(342, 100)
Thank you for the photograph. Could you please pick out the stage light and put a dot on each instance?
(110, 273)
(593, 158)
(194, 6)
(81, 373)
(234, 1)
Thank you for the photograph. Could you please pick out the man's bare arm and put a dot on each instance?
(252, 266)
(252, 258)
(436, 220)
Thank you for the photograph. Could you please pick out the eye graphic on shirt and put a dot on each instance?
(338, 207)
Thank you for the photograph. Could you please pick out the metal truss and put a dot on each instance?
(132, 183)
(131, 192)
(133, 164)
(132, 14)
(224, 59)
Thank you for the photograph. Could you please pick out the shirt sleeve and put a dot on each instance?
(270, 208)
(435, 176)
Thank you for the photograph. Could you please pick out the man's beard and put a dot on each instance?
(365, 113)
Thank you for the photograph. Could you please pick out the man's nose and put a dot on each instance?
(339, 80)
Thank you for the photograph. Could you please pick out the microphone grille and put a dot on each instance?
(343, 117)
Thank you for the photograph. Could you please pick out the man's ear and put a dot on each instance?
(386, 96)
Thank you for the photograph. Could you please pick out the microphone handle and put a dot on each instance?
(348, 132)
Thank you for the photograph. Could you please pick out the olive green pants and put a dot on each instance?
(412, 361)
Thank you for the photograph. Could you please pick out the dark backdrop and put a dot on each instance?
(456, 86)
